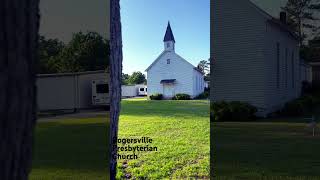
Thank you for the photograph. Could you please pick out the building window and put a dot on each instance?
(168, 45)
(278, 65)
(168, 61)
(102, 88)
(286, 68)
(292, 68)
(197, 83)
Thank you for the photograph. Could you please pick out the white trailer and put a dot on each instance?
(128, 91)
(100, 92)
(142, 91)
(67, 91)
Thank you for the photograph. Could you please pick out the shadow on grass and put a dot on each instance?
(265, 149)
(72, 146)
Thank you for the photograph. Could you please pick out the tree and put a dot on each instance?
(311, 52)
(204, 67)
(137, 78)
(115, 80)
(90, 50)
(301, 16)
(18, 57)
(124, 79)
(85, 52)
(48, 50)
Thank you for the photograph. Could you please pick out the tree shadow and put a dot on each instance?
(73, 146)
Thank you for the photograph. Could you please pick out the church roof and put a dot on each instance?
(169, 35)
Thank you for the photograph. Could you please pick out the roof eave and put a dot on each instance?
(283, 27)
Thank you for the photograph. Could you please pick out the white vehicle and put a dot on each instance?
(142, 91)
(128, 91)
(100, 93)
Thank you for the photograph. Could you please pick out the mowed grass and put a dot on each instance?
(74, 149)
(273, 149)
(179, 129)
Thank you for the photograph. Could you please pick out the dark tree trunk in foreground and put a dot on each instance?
(115, 79)
(19, 24)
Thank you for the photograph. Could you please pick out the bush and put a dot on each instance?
(301, 106)
(306, 88)
(233, 111)
(203, 95)
(156, 97)
(181, 96)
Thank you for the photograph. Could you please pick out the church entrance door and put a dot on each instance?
(168, 90)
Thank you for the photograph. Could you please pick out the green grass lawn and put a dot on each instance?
(179, 129)
(265, 150)
(71, 149)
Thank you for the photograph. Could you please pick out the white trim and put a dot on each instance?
(157, 59)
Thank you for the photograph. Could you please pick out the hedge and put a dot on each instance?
(233, 111)
(156, 97)
(181, 96)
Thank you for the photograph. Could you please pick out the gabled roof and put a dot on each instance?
(169, 35)
(155, 60)
(275, 21)
(159, 57)
(284, 27)
(195, 68)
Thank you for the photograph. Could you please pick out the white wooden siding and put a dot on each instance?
(238, 52)
(178, 69)
(244, 53)
(290, 83)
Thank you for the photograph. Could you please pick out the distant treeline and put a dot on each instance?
(85, 52)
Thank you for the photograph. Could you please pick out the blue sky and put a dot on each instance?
(144, 23)
(143, 27)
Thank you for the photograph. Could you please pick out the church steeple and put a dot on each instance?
(169, 39)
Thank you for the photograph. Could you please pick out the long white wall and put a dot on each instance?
(244, 52)
(289, 64)
(66, 91)
(237, 49)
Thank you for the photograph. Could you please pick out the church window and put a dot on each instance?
(168, 61)
(278, 65)
(168, 45)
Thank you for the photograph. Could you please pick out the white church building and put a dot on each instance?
(170, 74)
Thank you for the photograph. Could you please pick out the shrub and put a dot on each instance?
(203, 95)
(300, 106)
(233, 111)
(306, 88)
(156, 97)
(181, 96)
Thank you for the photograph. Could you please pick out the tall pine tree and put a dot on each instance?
(302, 17)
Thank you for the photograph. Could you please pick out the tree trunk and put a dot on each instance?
(19, 26)
(115, 80)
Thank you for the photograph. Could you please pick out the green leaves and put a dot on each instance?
(85, 52)
(301, 17)
(136, 78)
